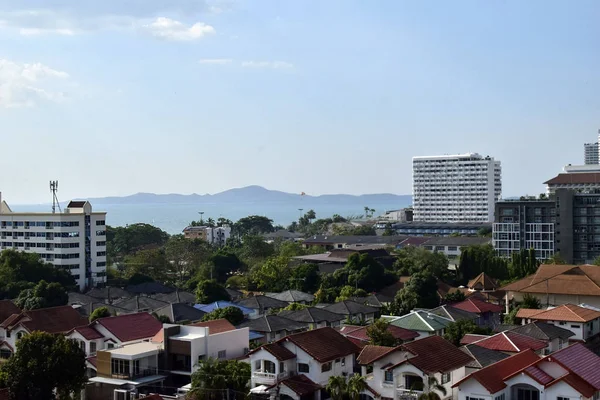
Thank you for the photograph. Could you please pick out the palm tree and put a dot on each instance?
(337, 387)
(432, 386)
(355, 386)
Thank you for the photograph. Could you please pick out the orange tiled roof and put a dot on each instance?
(560, 279)
(567, 312)
(528, 312)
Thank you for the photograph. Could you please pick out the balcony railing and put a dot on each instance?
(268, 377)
(139, 374)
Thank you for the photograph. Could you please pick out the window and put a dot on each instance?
(257, 365)
(575, 326)
(81, 344)
(120, 367)
(4, 354)
(474, 398)
(337, 361)
(110, 346)
(92, 347)
(136, 367)
(100, 244)
(100, 253)
(101, 264)
(389, 376)
(561, 398)
(446, 378)
(343, 361)
(326, 367)
(501, 397)
(100, 223)
(304, 368)
(20, 335)
(222, 354)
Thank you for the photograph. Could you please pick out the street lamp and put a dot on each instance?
(201, 214)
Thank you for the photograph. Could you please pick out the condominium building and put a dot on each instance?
(74, 239)
(213, 235)
(455, 188)
(590, 153)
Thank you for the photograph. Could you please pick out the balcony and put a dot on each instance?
(136, 374)
(268, 377)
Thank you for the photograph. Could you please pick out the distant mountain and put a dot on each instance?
(253, 194)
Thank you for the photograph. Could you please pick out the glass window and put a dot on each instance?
(389, 376)
(446, 378)
(4, 354)
(92, 347)
(326, 367)
(304, 368)
(222, 354)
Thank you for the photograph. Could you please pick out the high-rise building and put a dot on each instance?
(74, 239)
(455, 188)
(590, 153)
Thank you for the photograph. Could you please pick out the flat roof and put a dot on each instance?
(120, 382)
(136, 349)
(450, 156)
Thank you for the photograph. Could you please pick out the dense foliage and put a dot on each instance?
(100, 312)
(220, 379)
(456, 330)
(209, 291)
(379, 335)
(232, 314)
(42, 295)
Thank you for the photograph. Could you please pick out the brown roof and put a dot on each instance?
(301, 385)
(323, 344)
(59, 319)
(560, 279)
(436, 354)
(574, 178)
(370, 354)
(76, 204)
(88, 332)
(7, 308)
(277, 350)
(216, 326)
(130, 327)
(482, 282)
(567, 312)
(528, 312)
(397, 332)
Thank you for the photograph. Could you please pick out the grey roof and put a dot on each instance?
(457, 241)
(178, 312)
(543, 331)
(482, 357)
(368, 240)
(283, 234)
(373, 300)
(149, 288)
(87, 309)
(272, 323)
(176, 297)
(141, 303)
(504, 327)
(348, 307)
(234, 294)
(81, 299)
(454, 314)
(108, 293)
(262, 302)
(292, 296)
(312, 315)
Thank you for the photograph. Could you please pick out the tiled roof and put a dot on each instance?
(59, 319)
(262, 302)
(272, 323)
(140, 303)
(149, 288)
(482, 282)
(348, 307)
(435, 354)
(177, 312)
(312, 315)
(526, 313)
(373, 300)
(543, 331)
(92, 360)
(574, 178)
(293, 296)
(222, 304)
(567, 312)
(583, 280)
(131, 326)
(538, 374)
(7, 308)
(88, 332)
(478, 306)
(301, 385)
(492, 377)
(472, 338)
(176, 297)
(454, 314)
(579, 384)
(216, 326)
(370, 354)
(421, 321)
(278, 351)
(580, 361)
(511, 342)
(76, 204)
(396, 331)
(482, 357)
(108, 293)
(323, 344)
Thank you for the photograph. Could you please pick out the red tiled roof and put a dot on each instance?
(478, 306)
(472, 338)
(579, 384)
(92, 360)
(216, 326)
(567, 312)
(88, 332)
(396, 331)
(539, 375)
(511, 342)
(8, 308)
(574, 178)
(277, 350)
(130, 327)
(492, 377)
(580, 361)
(436, 354)
(301, 385)
(370, 354)
(59, 319)
(560, 279)
(323, 344)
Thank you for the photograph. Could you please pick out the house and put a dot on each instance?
(180, 312)
(555, 336)
(489, 314)
(140, 303)
(569, 373)
(207, 308)
(273, 327)
(8, 308)
(508, 342)
(149, 288)
(317, 355)
(354, 311)
(59, 319)
(112, 332)
(108, 294)
(406, 371)
(178, 296)
(583, 322)
(422, 322)
(454, 314)
(481, 356)
(293, 296)
(555, 285)
(262, 304)
(314, 317)
(358, 334)
(483, 283)
(376, 300)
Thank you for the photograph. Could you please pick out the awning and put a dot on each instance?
(259, 389)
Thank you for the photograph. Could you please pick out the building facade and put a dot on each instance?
(213, 235)
(455, 188)
(74, 239)
(590, 153)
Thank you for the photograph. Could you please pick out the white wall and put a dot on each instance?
(472, 388)
(234, 342)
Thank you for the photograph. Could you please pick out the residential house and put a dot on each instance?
(207, 308)
(570, 373)
(108, 294)
(358, 334)
(59, 319)
(180, 312)
(555, 336)
(489, 314)
(376, 300)
(354, 311)
(178, 296)
(317, 355)
(262, 304)
(273, 327)
(140, 303)
(406, 371)
(508, 342)
(483, 283)
(583, 322)
(314, 317)
(555, 285)
(422, 322)
(482, 357)
(293, 296)
(454, 314)
(149, 288)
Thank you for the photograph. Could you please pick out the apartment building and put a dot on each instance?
(213, 235)
(590, 153)
(455, 188)
(73, 239)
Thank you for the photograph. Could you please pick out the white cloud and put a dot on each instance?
(23, 85)
(216, 61)
(44, 31)
(267, 64)
(167, 28)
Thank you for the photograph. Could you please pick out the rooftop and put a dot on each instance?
(566, 312)
(482, 357)
(323, 344)
(478, 306)
(131, 327)
(136, 349)
(216, 326)
(583, 280)
(510, 342)
(579, 178)
(435, 354)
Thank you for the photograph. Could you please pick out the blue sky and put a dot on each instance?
(115, 97)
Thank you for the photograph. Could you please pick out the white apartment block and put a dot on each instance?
(74, 239)
(455, 188)
(590, 153)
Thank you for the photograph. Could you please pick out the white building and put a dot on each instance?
(213, 235)
(590, 153)
(74, 239)
(455, 188)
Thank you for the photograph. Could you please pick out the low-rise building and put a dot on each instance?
(358, 334)
(293, 296)
(314, 317)
(422, 322)
(261, 304)
(556, 337)
(273, 327)
(583, 322)
(489, 314)
(506, 342)
(354, 311)
(213, 235)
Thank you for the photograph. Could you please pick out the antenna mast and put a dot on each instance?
(55, 202)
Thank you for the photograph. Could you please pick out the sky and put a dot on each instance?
(115, 97)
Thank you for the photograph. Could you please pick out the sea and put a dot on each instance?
(172, 218)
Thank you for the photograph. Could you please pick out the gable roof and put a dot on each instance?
(7, 308)
(581, 280)
(371, 353)
(277, 350)
(177, 312)
(300, 384)
(566, 312)
(323, 344)
(216, 326)
(262, 302)
(469, 338)
(373, 300)
(292, 296)
(348, 307)
(87, 332)
(108, 293)
(543, 331)
(478, 306)
(482, 357)
(222, 304)
(130, 326)
(454, 314)
(526, 313)
(177, 296)
(511, 342)
(493, 376)
(483, 282)
(422, 321)
(59, 319)
(272, 323)
(435, 354)
(312, 315)
(140, 303)
(396, 331)
(581, 362)
(149, 288)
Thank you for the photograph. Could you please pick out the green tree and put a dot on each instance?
(388, 231)
(43, 295)
(419, 292)
(454, 297)
(523, 263)
(511, 317)
(44, 367)
(122, 241)
(255, 247)
(530, 301)
(477, 259)
(305, 277)
(273, 275)
(100, 312)
(138, 278)
(433, 387)
(411, 260)
(379, 335)
(209, 291)
(295, 307)
(224, 263)
(214, 378)
(363, 271)
(556, 259)
(152, 263)
(162, 318)
(236, 282)
(253, 225)
(232, 314)
(456, 330)
(337, 387)
(356, 385)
